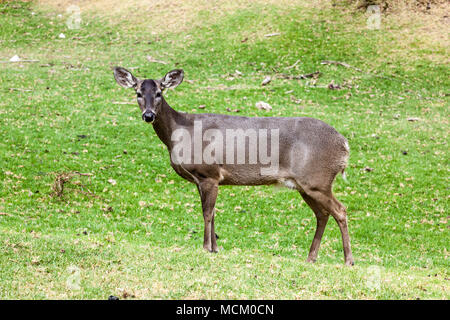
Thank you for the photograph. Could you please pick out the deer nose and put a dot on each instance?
(148, 116)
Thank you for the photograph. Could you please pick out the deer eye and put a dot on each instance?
(158, 94)
(139, 95)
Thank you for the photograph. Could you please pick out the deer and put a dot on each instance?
(306, 154)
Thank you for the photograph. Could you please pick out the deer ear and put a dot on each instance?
(124, 78)
(172, 79)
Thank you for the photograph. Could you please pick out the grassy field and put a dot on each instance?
(134, 229)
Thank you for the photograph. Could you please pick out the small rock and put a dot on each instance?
(413, 119)
(202, 106)
(15, 59)
(295, 100)
(263, 105)
(266, 81)
(62, 36)
(113, 298)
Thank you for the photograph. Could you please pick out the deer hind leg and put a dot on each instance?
(324, 199)
(340, 215)
(208, 190)
(322, 219)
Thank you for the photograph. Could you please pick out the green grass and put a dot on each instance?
(142, 237)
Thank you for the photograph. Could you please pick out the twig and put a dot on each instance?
(300, 77)
(340, 64)
(65, 177)
(357, 69)
(120, 102)
(19, 89)
(19, 61)
(150, 59)
(272, 34)
(296, 62)
(318, 87)
(83, 174)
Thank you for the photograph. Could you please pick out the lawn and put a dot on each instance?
(131, 227)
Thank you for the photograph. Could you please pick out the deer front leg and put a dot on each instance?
(208, 190)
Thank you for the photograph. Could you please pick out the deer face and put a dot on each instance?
(149, 98)
(148, 91)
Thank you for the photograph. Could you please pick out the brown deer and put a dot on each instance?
(305, 154)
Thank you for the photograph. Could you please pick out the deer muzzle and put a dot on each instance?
(148, 116)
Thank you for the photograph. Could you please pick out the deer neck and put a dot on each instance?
(166, 122)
